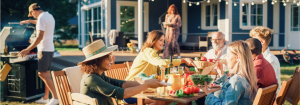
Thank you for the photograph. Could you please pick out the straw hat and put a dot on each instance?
(95, 50)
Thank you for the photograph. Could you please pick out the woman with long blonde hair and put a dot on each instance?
(240, 86)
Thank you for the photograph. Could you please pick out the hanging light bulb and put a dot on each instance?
(226, 2)
(252, 3)
(298, 4)
(152, 0)
(287, 0)
(190, 4)
(272, 3)
(275, 1)
(284, 4)
(243, 4)
(208, 1)
(263, 1)
(234, 4)
(183, 1)
(220, 0)
(294, 1)
(198, 3)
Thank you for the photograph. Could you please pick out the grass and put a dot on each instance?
(66, 48)
(286, 72)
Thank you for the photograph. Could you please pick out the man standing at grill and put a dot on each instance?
(45, 24)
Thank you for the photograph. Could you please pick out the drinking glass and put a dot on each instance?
(162, 91)
(180, 70)
(122, 49)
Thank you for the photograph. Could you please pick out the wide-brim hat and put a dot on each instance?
(96, 49)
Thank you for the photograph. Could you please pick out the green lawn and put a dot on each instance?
(67, 48)
(286, 72)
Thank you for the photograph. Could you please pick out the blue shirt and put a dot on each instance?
(234, 91)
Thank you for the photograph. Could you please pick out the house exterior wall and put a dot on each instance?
(158, 7)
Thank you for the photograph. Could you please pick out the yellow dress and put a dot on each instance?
(147, 62)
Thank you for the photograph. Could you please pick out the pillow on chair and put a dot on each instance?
(74, 76)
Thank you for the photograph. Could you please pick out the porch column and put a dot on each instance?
(106, 21)
(140, 23)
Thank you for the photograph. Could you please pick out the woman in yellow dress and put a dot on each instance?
(148, 59)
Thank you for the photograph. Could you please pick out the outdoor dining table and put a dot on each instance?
(181, 101)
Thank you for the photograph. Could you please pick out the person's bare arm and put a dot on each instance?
(28, 21)
(33, 45)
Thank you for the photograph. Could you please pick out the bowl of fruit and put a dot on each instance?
(200, 80)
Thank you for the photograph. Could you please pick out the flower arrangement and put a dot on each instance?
(131, 46)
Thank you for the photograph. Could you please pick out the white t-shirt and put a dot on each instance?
(211, 54)
(273, 60)
(45, 22)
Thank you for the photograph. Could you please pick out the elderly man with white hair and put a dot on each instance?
(219, 47)
(217, 53)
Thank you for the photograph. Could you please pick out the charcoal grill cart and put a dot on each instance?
(22, 82)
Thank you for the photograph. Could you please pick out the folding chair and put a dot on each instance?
(293, 94)
(80, 99)
(282, 93)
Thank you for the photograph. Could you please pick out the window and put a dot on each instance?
(92, 23)
(252, 15)
(211, 15)
(127, 20)
(295, 18)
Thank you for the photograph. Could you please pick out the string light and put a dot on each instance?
(190, 4)
(287, 0)
(183, 1)
(272, 3)
(243, 4)
(198, 3)
(220, 0)
(252, 3)
(226, 2)
(298, 4)
(284, 4)
(294, 1)
(234, 4)
(152, 0)
(275, 1)
(208, 1)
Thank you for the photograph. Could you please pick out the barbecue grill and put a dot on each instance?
(22, 82)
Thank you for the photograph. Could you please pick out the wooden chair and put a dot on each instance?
(282, 93)
(62, 87)
(293, 93)
(129, 64)
(265, 96)
(80, 99)
(117, 71)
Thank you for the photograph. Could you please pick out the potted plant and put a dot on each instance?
(131, 47)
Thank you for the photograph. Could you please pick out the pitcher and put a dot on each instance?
(176, 81)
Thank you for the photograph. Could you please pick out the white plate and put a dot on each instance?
(164, 83)
(202, 90)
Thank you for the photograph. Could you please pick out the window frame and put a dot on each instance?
(203, 14)
(292, 14)
(84, 9)
(249, 26)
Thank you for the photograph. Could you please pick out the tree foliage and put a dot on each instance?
(17, 10)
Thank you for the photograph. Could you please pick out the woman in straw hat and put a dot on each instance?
(95, 84)
(240, 86)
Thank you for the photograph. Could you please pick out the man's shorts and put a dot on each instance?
(44, 60)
